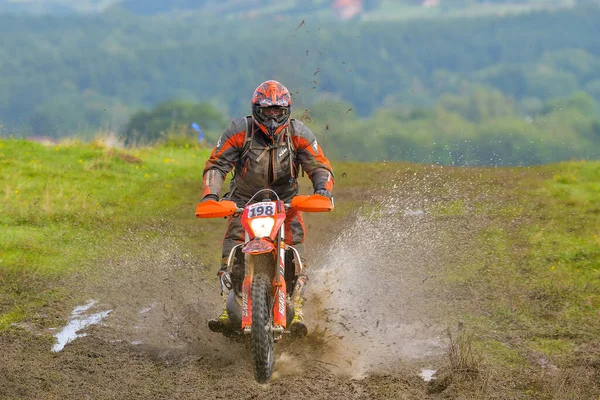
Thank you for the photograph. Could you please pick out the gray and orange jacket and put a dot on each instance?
(262, 163)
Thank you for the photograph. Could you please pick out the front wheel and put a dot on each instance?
(261, 335)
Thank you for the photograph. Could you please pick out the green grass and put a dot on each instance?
(60, 203)
(533, 278)
(564, 249)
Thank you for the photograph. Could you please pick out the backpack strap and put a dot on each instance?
(292, 150)
(249, 137)
(245, 149)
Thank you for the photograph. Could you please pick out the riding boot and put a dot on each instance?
(298, 327)
(221, 323)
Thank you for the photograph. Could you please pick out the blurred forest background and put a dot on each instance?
(461, 82)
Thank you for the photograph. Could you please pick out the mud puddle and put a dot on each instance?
(78, 321)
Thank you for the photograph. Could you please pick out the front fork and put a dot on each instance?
(247, 297)
(278, 285)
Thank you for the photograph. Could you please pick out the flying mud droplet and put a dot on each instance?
(76, 323)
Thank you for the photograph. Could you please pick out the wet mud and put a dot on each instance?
(373, 307)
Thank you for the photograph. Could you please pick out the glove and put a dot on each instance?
(323, 192)
(210, 196)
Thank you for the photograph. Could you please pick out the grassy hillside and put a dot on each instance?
(521, 270)
(62, 203)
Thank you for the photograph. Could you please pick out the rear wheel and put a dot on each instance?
(261, 334)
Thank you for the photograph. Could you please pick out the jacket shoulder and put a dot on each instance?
(234, 135)
(301, 130)
(237, 125)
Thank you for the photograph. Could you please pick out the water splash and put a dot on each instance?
(371, 291)
(373, 288)
(427, 374)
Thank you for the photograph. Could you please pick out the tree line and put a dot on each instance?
(481, 127)
(74, 75)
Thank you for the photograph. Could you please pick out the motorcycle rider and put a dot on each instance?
(266, 150)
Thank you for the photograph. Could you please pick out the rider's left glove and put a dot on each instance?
(323, 192)
(210, 196)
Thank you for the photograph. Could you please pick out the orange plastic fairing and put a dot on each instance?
(258, 246)
(215, 209)
(314, 203)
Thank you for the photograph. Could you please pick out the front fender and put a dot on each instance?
(259, 246)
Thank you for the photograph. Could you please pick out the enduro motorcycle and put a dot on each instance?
(264, 274)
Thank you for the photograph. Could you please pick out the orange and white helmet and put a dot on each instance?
(271, 107)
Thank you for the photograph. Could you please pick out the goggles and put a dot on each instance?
(273, 112)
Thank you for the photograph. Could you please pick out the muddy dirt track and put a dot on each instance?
(375, 315)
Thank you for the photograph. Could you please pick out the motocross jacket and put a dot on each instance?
(260, 162)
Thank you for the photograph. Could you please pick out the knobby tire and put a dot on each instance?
(261, 335)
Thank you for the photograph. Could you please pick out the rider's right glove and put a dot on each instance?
(210, 196)
(323, 192)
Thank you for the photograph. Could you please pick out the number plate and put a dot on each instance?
(264, 209)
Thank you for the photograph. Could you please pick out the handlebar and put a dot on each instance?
(224, 208)
(286, 205)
